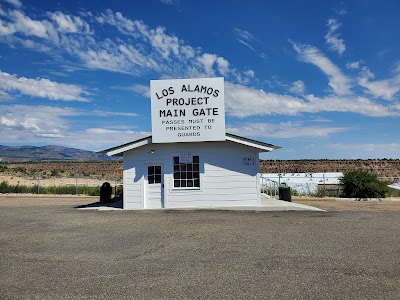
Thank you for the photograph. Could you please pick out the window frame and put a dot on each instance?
(182, 170)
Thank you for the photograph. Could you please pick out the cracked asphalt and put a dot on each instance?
(51, 250)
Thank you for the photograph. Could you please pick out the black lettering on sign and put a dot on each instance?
(165, 93)
(200, 89)
(210, 111)
(172, 113)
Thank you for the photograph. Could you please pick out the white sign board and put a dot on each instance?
(187, 110)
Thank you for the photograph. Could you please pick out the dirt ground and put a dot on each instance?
(328, 204)
(335, 204)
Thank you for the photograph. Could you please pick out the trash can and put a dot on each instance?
(105, 193)
(284, 193)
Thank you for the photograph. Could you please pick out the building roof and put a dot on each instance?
(119, 150)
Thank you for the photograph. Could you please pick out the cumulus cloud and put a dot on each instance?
(41, 87)
(249, 73)
(27, 123)
(4, 96)
(242, 101)
(298, 87)
(339, 83)
(333, 38)
(144, 50)
(23, 121)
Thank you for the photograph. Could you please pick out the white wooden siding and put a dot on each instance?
(224, 180)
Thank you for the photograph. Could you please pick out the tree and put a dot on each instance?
(361, 184)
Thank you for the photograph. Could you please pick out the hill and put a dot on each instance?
(48, 153)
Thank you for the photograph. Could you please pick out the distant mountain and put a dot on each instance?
(46, 153)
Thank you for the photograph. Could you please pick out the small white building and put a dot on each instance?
(191, 174)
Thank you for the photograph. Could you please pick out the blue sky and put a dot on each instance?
(319, 78)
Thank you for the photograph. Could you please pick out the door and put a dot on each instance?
(155, 186)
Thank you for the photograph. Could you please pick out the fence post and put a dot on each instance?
(76, 184)
(38, 187)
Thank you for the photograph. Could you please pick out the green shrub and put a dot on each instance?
(361, 184)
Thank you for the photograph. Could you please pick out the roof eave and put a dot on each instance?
(119, 150)
(261, 146)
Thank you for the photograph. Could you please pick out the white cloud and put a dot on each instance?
(339, 83)
(146, 50)
(393, 148)
(242, 101)
(102, 113)
(385, 89)
(354, 64)
(332, 37)
(24, 124)
(141, 89)
(355, 104)
(97, 138)
(243, 35)
(298, 87)
(41, 87)
(16, 3)
(245, 38)
(341, 9)
(21, 122)
(207, 61)
(70, 24)
(284, 130)
(29, 27)
(222, 65)
(4, 96)
(249, 73)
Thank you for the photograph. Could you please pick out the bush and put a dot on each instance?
(361, 184)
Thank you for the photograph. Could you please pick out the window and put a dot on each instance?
(187, 175)
(154, 174)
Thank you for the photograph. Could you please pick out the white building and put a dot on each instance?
(191, 174)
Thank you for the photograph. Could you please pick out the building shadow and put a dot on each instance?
(116, 202)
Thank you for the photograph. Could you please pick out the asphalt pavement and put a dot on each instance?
(60, 252)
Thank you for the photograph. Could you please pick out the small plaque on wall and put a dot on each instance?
(185, 158)
(249, 161)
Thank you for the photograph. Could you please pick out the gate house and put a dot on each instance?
(191, 174)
